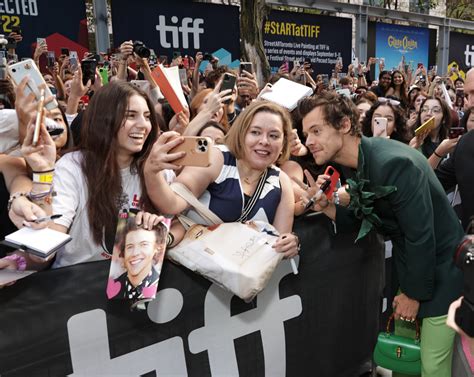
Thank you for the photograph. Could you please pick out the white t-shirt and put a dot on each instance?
(71, 201)
(9, 133)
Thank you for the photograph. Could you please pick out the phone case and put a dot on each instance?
(380, 127)
(426, 127)
(334, 174)
(26, 67)
(197, 150)
(142, 84)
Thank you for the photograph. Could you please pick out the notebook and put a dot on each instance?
(287, 93)
(41, 242)
(170, 85)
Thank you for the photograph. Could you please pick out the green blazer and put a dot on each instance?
(397, 193)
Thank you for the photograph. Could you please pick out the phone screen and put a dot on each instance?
(88, 71)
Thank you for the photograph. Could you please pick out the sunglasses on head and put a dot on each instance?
(392, 102)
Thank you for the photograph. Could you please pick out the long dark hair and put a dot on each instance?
(401, 131)
(445, 122)
(403, 88)
(102, 121)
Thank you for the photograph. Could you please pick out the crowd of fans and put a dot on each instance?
(115, 148)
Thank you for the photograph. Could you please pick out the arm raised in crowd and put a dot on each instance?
(195, 179)
(196, 74)
(126, 50)
(214, 102)
(78, 89)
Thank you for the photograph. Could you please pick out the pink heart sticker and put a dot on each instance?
(113, 288)
(149, 292)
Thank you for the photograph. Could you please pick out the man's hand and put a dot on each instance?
(405, 308)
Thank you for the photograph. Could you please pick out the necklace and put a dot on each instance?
(248, 180)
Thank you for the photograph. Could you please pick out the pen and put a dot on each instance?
(46, 218)
(322, 189)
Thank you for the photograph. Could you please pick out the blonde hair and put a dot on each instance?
(235, 138)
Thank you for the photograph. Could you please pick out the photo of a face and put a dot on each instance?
(137, 260)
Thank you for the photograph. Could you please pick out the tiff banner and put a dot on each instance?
(461, 51)
(179, 26)
(294, 37)
(61, 23)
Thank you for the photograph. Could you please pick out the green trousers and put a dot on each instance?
(437, 341)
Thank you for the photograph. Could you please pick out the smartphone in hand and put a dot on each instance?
(198, 151)
(246, 66)
(88, 67)
(228, 82)
(380, 127)
(334, 174)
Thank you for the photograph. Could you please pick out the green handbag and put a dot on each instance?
(398, 353)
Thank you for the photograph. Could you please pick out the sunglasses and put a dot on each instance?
(392, 102)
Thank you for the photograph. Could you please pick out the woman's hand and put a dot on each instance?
(42, 157)
(418, 140)
(180, 121)
(248, 81)
(447, 146)
(405, 308)
(147, 220)
(24, 212)
(160, 158)
(288, 244)
(9, 264)
(78, 89)
(296, 147)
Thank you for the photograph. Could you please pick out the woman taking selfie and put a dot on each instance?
(105, 175)
(435, 144)
(257, 140)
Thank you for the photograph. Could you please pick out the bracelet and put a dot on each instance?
(336, 198)
(14, 196)
(437, 155)
(20, 261)
(40, 195)
(45, 177)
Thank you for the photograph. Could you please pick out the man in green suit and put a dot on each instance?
(397, 194)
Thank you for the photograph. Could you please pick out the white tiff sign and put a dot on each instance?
(89, 343)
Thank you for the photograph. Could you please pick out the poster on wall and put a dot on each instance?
(179, 27)
(62, 23)
(290, 37)
(461, 53)
(401, 46)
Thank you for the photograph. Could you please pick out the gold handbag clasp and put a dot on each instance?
(399, 352)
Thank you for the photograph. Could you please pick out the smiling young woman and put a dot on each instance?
(255, 143)
(105, 174)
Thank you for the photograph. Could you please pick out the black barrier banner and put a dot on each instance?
(183, 26)
(289, 36)
(321, 322)
(461, 51)
(62, 23)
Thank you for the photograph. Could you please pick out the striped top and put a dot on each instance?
(226, 199)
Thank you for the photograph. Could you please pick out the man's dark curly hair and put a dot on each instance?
(335, 108)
